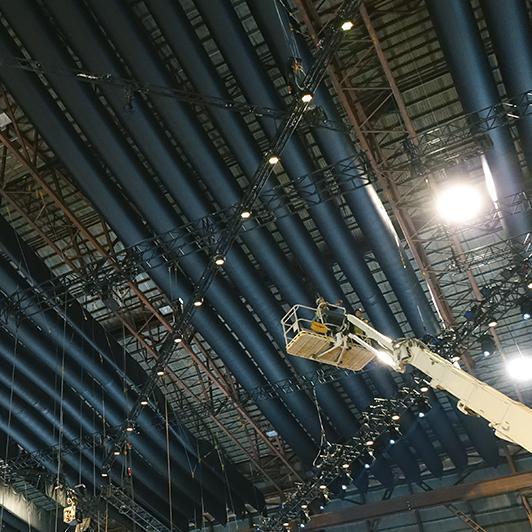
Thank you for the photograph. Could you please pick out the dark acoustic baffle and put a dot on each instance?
(367, 209)
(210, 167)
(27, 407)
(94, 336)
(511, 35)
(257, 86)
(454, 22)
(47, 117)
(197, 64)
(364, 202)
(142, 191)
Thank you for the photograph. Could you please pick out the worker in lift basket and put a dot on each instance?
(359, 313)
(328, 319)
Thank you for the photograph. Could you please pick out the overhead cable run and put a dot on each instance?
(182, 330)
(133, 88)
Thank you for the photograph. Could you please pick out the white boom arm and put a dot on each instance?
(354, 344)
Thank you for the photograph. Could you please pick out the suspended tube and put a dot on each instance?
(153, 206)
(511, 35)
(454, 22)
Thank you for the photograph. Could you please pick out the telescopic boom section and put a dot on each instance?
(329, 335)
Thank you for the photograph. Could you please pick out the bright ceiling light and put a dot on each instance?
(520, 368)
(219, 260)
(458, 203)
(245, 215)
(347, 25)
(273, 159)
(307, 97)
(198, 302)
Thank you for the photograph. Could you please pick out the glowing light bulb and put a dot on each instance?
(458, 203)
(347, 25)
(520, 368)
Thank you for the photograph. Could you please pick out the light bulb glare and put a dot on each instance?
(458, 203)
(347, 25)
(519, 368)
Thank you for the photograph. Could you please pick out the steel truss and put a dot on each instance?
(329, 183)
(27, 465)
(182, 329)
(335, 462)
(100, 278)
(503, 295)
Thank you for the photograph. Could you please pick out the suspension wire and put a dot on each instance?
(323, 436)
(218, 450)
(61, 414)
(291, 42)
(168, 466)
(8, 438)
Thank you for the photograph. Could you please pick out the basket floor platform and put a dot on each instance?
(320, 347)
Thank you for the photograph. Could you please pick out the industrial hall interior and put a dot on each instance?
(265, 265)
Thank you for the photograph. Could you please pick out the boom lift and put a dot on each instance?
(330, 335)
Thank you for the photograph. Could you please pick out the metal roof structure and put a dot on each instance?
(129, 133)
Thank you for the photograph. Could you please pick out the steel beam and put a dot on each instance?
(418, 501)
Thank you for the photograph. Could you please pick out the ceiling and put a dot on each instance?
(132, 130)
